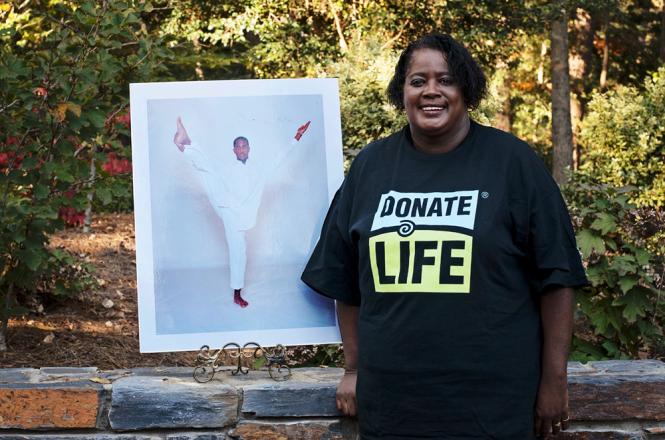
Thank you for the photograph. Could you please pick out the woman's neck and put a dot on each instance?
(442, 142)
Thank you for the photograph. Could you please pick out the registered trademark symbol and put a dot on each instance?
(484, 194)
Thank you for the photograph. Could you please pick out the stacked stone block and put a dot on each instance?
(623, 400)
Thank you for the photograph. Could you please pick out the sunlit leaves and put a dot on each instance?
(624, 139)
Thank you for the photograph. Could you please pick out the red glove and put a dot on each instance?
(301, 130)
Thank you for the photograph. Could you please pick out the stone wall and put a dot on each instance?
(608, 400)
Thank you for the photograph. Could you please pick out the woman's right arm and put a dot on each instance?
(347, 316)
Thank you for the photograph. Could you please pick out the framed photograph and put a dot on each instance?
(232, 181)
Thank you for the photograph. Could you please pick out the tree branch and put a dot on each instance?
(8, 106)
(338, 26)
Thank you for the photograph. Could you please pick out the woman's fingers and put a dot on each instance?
(556, 427)
(548, 428)
(346, 406)
(565, 420)
(346, 395)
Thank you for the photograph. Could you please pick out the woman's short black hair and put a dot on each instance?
(463, 68)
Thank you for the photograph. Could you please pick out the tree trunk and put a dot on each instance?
(338, 27)
(562, 132)
(662, 34)
(579, 61)
(4, 316)
(606, 52)
(576, 114)
(541, 64)
(503, 119)
(198, 67)
(87, 221)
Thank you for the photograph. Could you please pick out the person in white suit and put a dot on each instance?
(234, 189)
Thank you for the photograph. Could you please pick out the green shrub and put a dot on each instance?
(622, 313)
(367, 115)
(623, 139)
(64, 74)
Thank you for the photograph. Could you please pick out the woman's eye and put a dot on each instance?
(447, 81)
(417, 82)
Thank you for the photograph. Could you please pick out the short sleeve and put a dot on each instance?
(554, 259)
(332, 269)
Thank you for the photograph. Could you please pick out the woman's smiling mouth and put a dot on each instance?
(432, 109)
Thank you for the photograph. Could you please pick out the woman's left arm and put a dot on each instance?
(556, 310)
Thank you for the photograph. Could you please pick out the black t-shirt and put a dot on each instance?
(446, 255)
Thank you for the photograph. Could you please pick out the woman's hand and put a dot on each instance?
(551, 407)
(346, 394)
(556, 312)
(347, 316)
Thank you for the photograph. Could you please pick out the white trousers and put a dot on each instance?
(237, 219)
(235, 241)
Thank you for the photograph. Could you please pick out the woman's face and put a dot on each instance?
(434, 103)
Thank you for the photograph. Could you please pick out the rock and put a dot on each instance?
(197, 436)
(649, 366)
(89, 436)
(107, 303)
(617, 397)
(580, 368)
(170, 402)
(600, 435)
(49, 338)
(68, 371)
(300, 430)
(310, 393)
(33, 406)
(18, 375)
(119, 436)
(656, 430)
(296, 400)
(181, 372)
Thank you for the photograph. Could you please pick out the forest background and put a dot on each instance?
(582, 81)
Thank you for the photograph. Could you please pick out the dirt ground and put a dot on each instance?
(98, 328)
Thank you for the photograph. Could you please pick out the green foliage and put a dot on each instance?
(277, 38)
(366, 113)
(64, 131)
(292, 38)
(624, 142)
(64, 70)
(530, 99)
(633, 29)
(330, 355)
(623, 310)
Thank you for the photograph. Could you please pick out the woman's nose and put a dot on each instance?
(432, 88)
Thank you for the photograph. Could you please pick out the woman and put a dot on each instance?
(451, 256)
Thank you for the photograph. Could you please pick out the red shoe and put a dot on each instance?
(238, 299)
